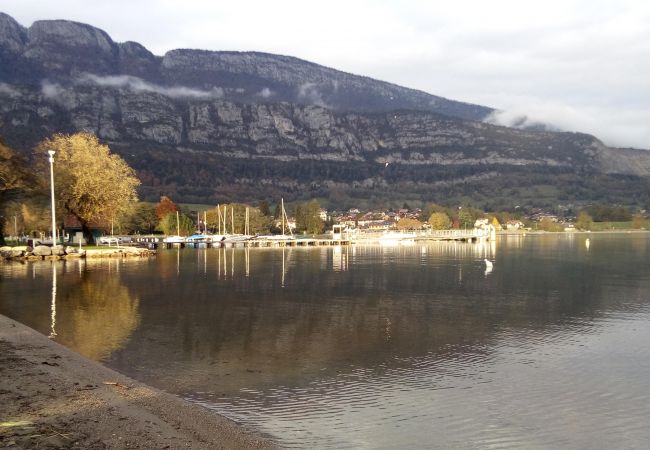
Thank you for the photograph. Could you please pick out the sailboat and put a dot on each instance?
(201, 236)
(284, 220)
(237, 237)
(177, 239)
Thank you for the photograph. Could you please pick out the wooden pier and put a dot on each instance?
(471, 235)
(342, 239)
(158, 242)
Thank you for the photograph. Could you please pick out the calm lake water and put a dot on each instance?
(375, 347)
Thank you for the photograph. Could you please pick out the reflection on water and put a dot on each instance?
(381, 347)
(90, 310)
(52, 334)
(100, 317)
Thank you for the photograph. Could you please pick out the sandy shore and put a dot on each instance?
(51, 397)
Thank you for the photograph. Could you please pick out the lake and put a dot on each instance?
(374, 346)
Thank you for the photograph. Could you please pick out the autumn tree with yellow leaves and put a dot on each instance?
(439, 221)
(90, 183)
(14, 180)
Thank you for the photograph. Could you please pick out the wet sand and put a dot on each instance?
(51, 397)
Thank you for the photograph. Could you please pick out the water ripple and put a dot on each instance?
(527, 390)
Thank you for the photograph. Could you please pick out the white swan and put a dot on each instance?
(488, 266)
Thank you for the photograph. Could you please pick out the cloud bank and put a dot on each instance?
(139, 85)
(628, 128)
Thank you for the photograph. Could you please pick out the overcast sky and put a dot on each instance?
(580, 65)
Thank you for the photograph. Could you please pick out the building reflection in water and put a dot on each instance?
(340, 258)
(268, 308)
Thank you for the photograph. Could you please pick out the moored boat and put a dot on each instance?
(174, 240)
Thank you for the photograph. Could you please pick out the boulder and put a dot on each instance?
(58, 250)
(42, 250)
(11, 252)
(70, 250)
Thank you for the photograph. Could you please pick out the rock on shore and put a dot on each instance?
(41, 252)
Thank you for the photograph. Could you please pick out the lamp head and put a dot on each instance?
(51, 153)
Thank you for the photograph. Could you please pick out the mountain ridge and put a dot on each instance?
(95, 52)
(210, 126)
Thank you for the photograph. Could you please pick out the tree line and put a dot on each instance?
(97, 188)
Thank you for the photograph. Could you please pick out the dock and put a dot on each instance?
(158, 242)
(343, 239)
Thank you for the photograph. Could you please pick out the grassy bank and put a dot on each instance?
(608, 226)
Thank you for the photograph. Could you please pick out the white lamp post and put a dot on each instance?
(51, 159)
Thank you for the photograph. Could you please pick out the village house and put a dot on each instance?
(514, 225)
(481, 223)
(74, 234)
(323, 214)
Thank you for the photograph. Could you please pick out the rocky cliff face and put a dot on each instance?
(63, 51)
(210, 126)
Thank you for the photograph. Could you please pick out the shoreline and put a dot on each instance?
(52, 397)
(568, 233)
(25, 253)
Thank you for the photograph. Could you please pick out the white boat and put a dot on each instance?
(283, 236)
(174, 240)
(203, 238)
(277, 237)
(236, 238)
(397, 238)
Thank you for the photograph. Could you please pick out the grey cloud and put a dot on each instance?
(52, 91)
(265, 93)
(625, 129)
(517, 120)
(309, 92)
(8, 90)
(139, 85)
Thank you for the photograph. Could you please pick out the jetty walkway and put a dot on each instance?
(344, 239)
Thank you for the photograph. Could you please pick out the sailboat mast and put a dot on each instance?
(225, 217)
(247, 230)
(205, 221)
(219, 218)
(178, 225)
(232, 219)
(282, 213)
